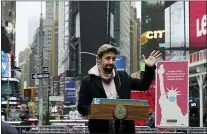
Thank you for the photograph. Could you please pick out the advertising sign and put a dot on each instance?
(5, 65)
(120, 63)
(177, 30)
(152, 26)
(198, 24)
(171, 99)
(70, 91)
(61, 84)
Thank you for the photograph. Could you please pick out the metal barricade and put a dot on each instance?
(42, 129)
(80, 130)
(145, 130)
(188, 130)
(77, 129)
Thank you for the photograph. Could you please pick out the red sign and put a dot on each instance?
(198, 24)
(147, 95)
(171, 99)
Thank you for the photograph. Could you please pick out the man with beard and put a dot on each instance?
(103, 81)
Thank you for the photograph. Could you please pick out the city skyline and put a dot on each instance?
(25, 11)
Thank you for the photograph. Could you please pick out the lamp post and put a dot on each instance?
(90, 54)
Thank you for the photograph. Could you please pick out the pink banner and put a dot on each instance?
(171, 100)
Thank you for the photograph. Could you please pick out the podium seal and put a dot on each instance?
(120, 112)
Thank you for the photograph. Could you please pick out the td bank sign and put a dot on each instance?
(155, 34)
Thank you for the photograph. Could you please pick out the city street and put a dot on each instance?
(53, 65)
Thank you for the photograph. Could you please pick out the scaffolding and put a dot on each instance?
(198, 68)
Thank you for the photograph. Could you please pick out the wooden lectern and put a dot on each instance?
(120, 111)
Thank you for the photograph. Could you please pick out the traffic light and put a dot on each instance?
(34, 92)
(27, 93)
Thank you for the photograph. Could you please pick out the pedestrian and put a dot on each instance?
(7, 128)
(151, 122)
(103, 81)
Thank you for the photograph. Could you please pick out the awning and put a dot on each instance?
(10, 79)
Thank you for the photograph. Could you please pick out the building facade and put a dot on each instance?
(8, 23)
(125, 46)
(133, 41)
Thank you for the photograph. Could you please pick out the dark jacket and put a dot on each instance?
(91, 87)
(7, 128)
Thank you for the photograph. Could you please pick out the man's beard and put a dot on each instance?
(108, 70)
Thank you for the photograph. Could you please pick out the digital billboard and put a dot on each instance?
(120, 63)
(5, 65)
(177, 30)
(152, 27)
(198, 24)
(93, 19)
(70, 91)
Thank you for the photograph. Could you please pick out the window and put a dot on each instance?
(5, 89)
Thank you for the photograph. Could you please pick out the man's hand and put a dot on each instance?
(154, 56)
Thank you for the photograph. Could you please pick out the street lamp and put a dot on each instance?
(89, 53)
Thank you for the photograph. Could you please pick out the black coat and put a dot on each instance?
(91, 87)
(7, 128)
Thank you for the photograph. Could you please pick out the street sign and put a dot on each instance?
(45, 69)
(56, 98)
(40, 76)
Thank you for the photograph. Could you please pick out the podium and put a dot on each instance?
(120, 109)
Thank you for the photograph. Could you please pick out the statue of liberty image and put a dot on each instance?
(171, 113)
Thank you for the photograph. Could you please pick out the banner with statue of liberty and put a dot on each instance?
(172, 91)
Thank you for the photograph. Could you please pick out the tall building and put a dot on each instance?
(48, 24)
(125, 47)
(63, 46)
(53, 64)
(34, 57)
(33, 24)
(47, 47)
(24, 64)
(8, 22)
(63, 36)
(134, 55)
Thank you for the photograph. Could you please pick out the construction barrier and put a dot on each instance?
(42, 129)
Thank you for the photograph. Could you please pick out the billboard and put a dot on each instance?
(5, 65)
(177, 30)
(152, 27)
(198, 24)
(70, 91)
(171, 98)
(120, 63)
(93, 20)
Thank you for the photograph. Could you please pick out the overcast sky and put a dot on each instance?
(26, 10)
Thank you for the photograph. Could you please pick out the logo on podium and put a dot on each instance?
(120, 112)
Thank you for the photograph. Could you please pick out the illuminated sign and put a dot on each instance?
(155, 34)
(201, 26)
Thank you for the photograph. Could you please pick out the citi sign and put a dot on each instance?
(201, 26)
(155, 34)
